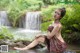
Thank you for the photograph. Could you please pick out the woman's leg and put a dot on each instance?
(36, 41)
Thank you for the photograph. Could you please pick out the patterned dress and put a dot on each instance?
(54, 45)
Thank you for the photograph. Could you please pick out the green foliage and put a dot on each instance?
(50, 2)
(16, 8)
(47, 13)
(47, 19)
(14, 16)
(71, 23)
(3, 4)
(5, 33)
(70, 38)
(45, 25)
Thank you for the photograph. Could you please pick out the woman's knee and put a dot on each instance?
(41, 39)
(39, 35)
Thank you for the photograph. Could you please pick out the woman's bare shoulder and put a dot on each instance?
(59, 26)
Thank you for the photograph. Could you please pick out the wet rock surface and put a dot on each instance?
(38, 49)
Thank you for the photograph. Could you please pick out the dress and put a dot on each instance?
(54, 45)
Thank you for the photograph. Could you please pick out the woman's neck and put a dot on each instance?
(56, 21)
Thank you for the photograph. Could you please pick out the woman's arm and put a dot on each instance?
(54, 31)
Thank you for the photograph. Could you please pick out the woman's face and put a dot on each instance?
(57, 14)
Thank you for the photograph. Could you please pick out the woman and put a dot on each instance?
(53, 39)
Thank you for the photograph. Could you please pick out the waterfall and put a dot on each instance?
(29, 26)
(4, 19)
(32, 21)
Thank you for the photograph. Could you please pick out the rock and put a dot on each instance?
(2, 42)
(69, 51)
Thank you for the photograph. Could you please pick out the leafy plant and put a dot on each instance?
(45, 25)
(16, 8)
(5, 33)
(71, 23)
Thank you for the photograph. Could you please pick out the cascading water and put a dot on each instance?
(33, 21)
(31, 26)
(4, 19)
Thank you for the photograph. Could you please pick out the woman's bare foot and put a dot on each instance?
(20, 48)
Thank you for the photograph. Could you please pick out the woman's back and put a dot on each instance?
(59, 35)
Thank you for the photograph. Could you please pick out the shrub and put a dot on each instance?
(71, 23)
(5, 33)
